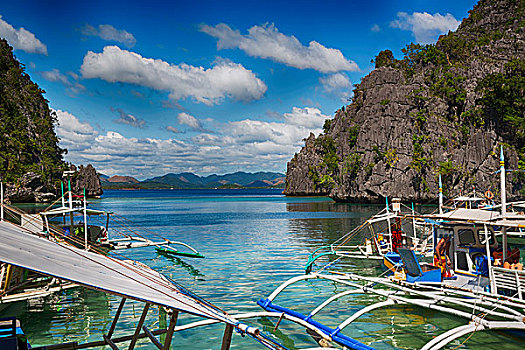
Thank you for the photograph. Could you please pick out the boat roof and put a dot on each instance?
(464, 214)
(67, 210)
(124, 278)
(480, 216)
(468, 199)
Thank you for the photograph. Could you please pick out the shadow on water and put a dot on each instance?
(179, 262)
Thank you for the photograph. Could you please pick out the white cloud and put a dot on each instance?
(128, 119)
(21, 39)
(172, 129)
(267, 42)
(249, 145)
(189, 120)
(209, 86)
(424, 26)
(337, 85)
(109, 33)
(55, 75)
(375, 28)
(74, 135)
(285, 136)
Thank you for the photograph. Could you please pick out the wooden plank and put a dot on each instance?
(151, 337)
(171, 328)
(139, 327)
(227, 337)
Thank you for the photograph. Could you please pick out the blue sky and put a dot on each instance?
(147, 88)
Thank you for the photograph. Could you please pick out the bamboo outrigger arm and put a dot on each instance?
(449, 301)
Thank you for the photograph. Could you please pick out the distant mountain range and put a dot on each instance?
(191, 181)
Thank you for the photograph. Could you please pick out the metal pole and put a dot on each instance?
(489, 264)
(85, 221)
(440, 195)
(62, 189)
(227, 337)
(70, 193)
(115, 319)
(502, 184)
(504, 243)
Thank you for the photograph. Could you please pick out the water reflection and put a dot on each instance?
(63, 317)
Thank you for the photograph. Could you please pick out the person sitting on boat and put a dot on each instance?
(513, 260)
(441, 258)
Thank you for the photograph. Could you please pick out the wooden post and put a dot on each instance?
(227, 337)
(115, 319)
(139, 327)
(171, 328)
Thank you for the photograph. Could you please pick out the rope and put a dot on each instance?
(478, 323)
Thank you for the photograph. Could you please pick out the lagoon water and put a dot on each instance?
(253, 240)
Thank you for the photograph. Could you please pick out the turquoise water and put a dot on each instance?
(253, 240)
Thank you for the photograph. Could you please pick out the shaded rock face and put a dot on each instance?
(30, 189)
(87, 178)
(404, 126)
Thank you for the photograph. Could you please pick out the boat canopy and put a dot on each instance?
(463, 214)
(125, 278)
(468, 199)
(67, 210)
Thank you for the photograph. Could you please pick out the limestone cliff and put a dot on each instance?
(442, 109)
(31, 160)
(88, 179)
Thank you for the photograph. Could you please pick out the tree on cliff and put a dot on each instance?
(28, 142)
(443, 108)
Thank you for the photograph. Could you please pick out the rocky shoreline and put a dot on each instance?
(32, 188)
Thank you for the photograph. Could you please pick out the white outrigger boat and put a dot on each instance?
(130, 280)
(69, 221)
(394, 226)
(483, 282)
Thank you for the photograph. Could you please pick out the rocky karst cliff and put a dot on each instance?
(31, 160)
(442, 109)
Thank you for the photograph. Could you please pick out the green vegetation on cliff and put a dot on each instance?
(28, 142)
(442, 108)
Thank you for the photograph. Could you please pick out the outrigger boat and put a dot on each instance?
(380, 236)
(481, 282)
(68, 220)
(126, 279)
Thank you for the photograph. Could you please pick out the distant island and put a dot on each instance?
(192, 181)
